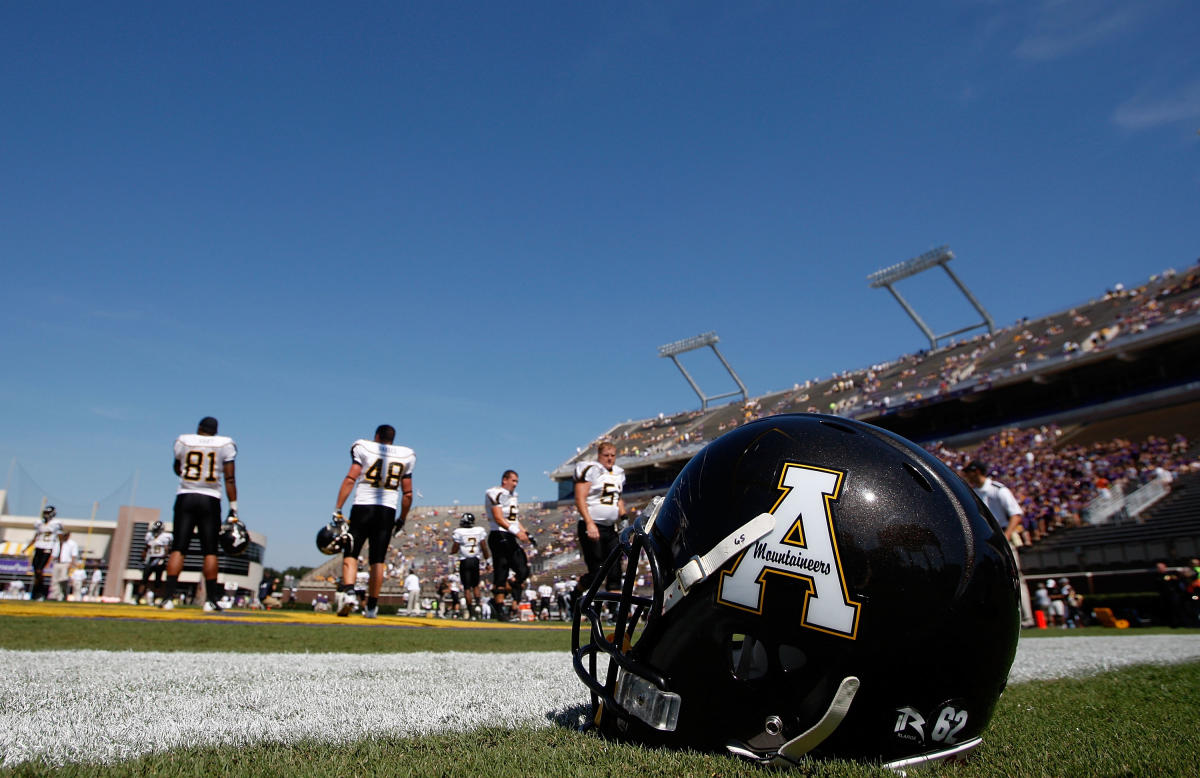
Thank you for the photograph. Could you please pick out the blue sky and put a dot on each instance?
(478, 221)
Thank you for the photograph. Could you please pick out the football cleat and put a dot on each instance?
(335, 537)
(234, 537)
(168, 605)
(348, 603)
(371, 613)
(212, 607)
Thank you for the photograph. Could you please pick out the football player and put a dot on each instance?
(154, 559)
(504, 538)
(470, 543)
(382, 472)
(545, 592)
(598, 487)
(46, 532)
(561, 591)
(201, 461)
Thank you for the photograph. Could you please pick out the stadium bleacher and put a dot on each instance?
(1095, 328)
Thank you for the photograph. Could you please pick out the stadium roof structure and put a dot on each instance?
(673, 350)
(938, 257)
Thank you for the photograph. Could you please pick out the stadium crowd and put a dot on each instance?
(966, 364)
(1055, 483)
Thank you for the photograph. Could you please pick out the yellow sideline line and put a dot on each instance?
(94, 610)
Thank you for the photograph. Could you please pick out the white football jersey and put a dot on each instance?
(508, 507)
(470, 541)
(158, 546)
(545, 591)
(604, 490)
(202, 461)
(384, 465)
(45, 533)
(999, 500)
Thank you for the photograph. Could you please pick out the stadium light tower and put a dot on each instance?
(939, 257)
(710, 339)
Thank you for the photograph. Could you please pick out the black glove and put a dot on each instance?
(399, 525)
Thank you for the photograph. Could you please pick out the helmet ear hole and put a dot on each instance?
(792, 658)
(748, 659)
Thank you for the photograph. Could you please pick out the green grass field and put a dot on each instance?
(1136, 722)
(44, 633)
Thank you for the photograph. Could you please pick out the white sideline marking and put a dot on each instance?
(105, 706)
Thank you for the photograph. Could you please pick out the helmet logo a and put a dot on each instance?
(801, 547)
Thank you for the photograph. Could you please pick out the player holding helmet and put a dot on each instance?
(381, 476)
(201, 461)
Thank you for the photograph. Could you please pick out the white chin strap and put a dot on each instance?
(791, 751)
(700, 567)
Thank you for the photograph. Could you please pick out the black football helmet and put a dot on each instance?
(467, 520)
(49, 512)
(156, 527)
(821, 587)
(234, 537)
(335, 537)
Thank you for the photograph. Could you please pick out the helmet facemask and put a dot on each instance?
(631, 689)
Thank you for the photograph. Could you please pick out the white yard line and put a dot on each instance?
(71, 706)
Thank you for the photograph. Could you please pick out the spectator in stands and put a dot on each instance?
(598, 487)
(1004, 507)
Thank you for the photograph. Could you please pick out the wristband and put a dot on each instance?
(233, 505)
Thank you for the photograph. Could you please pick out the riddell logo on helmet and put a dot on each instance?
(907, 719)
